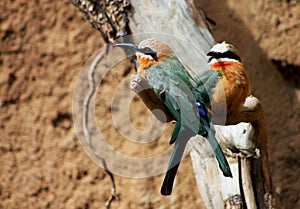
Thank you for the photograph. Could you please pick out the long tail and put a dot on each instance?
(209, 133)
(223, 164)
(181, 141)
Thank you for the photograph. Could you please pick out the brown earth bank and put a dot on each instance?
(43, 47)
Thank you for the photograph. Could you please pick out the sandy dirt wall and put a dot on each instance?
(43, 46)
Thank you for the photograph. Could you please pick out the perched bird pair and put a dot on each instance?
(186, 97)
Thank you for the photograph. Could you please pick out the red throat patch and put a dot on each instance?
(221, 64)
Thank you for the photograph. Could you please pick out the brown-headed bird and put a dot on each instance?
(184, 98)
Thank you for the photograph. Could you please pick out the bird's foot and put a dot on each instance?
(138, 83)
(242, 153)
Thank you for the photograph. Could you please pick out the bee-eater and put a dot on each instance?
(184, 99)
(234, 81)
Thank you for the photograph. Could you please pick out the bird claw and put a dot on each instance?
(138, 83)
(135, 82)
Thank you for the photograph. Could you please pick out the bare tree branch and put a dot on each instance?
(107, 16)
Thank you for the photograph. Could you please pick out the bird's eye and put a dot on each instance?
(227, 54)
(147, 50)
(150, 52)
(232, 55)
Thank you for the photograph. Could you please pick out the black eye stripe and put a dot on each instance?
(149, 52)
(228, 54)
(232, 55)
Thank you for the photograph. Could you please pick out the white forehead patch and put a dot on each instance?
(220, 47)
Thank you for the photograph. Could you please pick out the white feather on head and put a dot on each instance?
(223, 47)
(229, 52)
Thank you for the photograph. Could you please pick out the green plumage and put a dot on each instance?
(206, 83)
(182, 94)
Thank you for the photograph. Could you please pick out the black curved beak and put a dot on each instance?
(212, 55)
(130, 46)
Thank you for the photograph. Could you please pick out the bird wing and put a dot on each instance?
(209, 76)
(205, 83)
(174, 91)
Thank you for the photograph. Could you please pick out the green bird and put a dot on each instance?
(185, 97)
